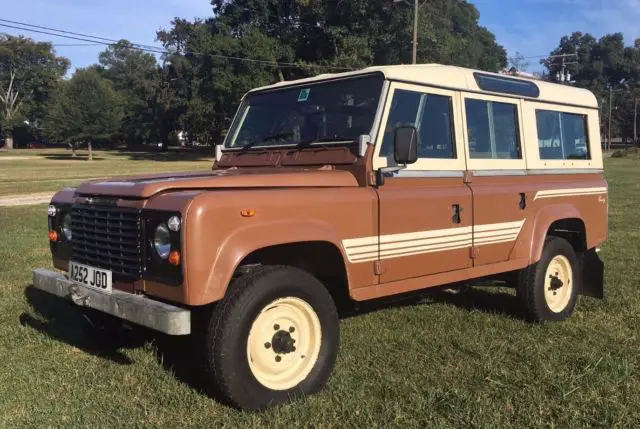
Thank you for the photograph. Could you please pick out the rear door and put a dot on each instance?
(497, 166)
(426, 209)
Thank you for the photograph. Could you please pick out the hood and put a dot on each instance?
(149, 185)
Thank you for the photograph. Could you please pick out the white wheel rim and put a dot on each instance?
(558, 283)
(284, 343)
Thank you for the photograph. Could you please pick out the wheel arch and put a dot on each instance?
(562, 220)
(309, 245)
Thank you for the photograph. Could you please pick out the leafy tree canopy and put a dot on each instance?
(307, 37)
(602, 65)
(28, 72)
(86, 108)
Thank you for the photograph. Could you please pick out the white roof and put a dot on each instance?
(457, 78)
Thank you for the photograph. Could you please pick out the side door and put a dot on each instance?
(497, 174)
(425, 210)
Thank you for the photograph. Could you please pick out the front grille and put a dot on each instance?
(108, 237)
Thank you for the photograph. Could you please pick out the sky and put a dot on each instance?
(531, 27)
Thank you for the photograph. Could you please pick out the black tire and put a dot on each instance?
(531, 283)
(231, 321)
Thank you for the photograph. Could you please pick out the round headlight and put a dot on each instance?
(51, 210)
(162, 241)
(66, 226)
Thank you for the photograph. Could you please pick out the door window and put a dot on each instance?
(492, 130)
(431, 114)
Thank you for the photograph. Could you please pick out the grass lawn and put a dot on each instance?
(446, 361)
(29, 171)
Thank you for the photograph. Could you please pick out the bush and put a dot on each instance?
(631, 152)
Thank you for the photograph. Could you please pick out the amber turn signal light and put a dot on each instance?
(174, 258)
(53, 236)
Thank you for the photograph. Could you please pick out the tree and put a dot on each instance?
(608, 68)
(85, 109)
(28, 72)
(136, 76)
(299, 38)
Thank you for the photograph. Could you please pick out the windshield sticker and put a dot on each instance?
(304, 94)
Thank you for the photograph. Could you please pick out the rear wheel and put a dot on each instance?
(272, 339)
(548, 289)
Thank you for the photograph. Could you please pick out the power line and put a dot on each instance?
(68, 45)
(82, 39)
(102, 39)
(147, 48)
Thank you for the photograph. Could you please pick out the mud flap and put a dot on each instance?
(592, 275)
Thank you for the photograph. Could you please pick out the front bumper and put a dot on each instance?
(137, 309)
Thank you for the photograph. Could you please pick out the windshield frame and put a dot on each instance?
(241, 113)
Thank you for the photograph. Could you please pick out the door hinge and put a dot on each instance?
(372, 179)
(377, 268)
(473, 252)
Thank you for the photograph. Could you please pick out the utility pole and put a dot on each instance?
(608, 145)
(635, 121)
(416, 8)
(563, 75)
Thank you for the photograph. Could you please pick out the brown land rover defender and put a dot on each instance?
(343, 188)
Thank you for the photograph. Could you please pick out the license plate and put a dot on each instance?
(91, 277)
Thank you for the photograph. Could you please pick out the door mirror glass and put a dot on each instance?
(405, 143)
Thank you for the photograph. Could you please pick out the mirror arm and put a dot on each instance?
(381, 172)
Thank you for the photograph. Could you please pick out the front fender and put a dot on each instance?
(63, 196)
(543, 220)
(245, 240)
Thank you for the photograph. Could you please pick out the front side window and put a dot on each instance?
(492, 129)
(330, 112)
(431, 114)
(562, 136)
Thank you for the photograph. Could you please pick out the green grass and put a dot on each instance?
(52, 169)
(462, 361)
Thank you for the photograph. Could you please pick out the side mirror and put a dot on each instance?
(405, 144)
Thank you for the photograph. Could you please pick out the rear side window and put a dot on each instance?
(492, 130)
(562, 135)
(431, 114)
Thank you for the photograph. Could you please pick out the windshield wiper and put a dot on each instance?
(328, 139)
(266, 139)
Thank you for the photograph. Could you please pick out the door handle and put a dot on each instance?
(523, 201)
(456, 213)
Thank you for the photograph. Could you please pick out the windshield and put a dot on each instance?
(338, 111)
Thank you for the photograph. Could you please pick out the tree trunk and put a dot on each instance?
(73, 150)
(8, 141)
(635, 121)
(90, 152)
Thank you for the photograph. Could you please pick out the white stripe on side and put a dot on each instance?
(365, 249)
(573, 192)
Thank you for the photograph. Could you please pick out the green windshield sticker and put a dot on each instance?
(304, 94)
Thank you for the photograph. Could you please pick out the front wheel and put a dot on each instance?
(548, 289)
(273, 338)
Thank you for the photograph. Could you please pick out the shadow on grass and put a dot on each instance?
(62, 157)
(185, 356)
(486, 299)
(167, 156)
(103, 337)
(79, 327)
